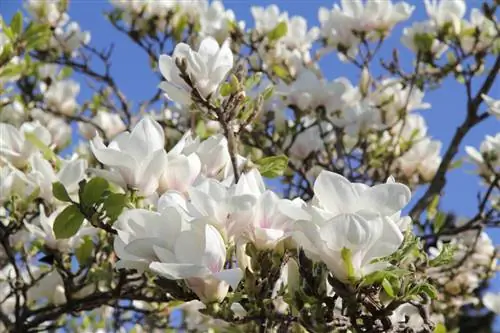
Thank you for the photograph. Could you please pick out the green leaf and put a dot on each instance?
(17, 23)
(440, 328)
(59, 191)
(253, 80)
(114, 205)
(439, 221)
(68, 222)
(226, 89)
(280, 30)
(281, 72)
(268, 92)
(93, 191)
(388, 288)
(424, 42)
(46, 151)
(445, 256)
(84, 251)
(272, 166)
(429, 289)
(65, 73)
(432, 210)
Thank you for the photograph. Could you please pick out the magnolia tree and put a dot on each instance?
(154, 216)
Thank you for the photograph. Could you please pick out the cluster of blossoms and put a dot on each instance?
(487, 159)
(474, 260)
(152, 17)
(446, 21)
(68, 36)
(343, 28)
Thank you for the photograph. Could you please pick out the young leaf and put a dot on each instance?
(388, 288)
(280, 30)
(84, 251)
(17, 24)
(68, 222)
(60, 193)
(46, 151)
(272, 166)
(114, 204)
(93, 191)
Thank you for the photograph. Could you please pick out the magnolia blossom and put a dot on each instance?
(207, 69)
(487, 158)
(47, 11)
(15, 148)
(257, 214)
(13, 112)
(135, 159)
(59, 129)
(266, 19)
(350, 225)
(215, 21)
(60, 96)
(421, 37)
(442, 12)
(493, 105)
(111, 123)
(44, 175)
(15, 183)
(339, 25)
(392, 97)
(310, 140)
(70, 38)
(168, 245)
(422, 158)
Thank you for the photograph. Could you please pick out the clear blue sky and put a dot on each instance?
(130, 68)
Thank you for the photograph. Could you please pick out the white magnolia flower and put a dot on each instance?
(70, 38)
(12, 113)
(15, 148)
(111, 123)
(70, 174)
(15, 183)
(60, 96)
(47, 11)
(392, 97)
(413, 36)
(493, 105)
(206, 67)
(215, 21)
(339, 25)
(335, 195)
(407, 314)
(442, 12)
(266, 19)
(349, 236)
(136, 159)
(214, 156)
(310, 140)
(492, 301)
(168, 245)
(423, 158)
(257, 213)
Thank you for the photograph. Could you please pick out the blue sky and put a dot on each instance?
(130, 68)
